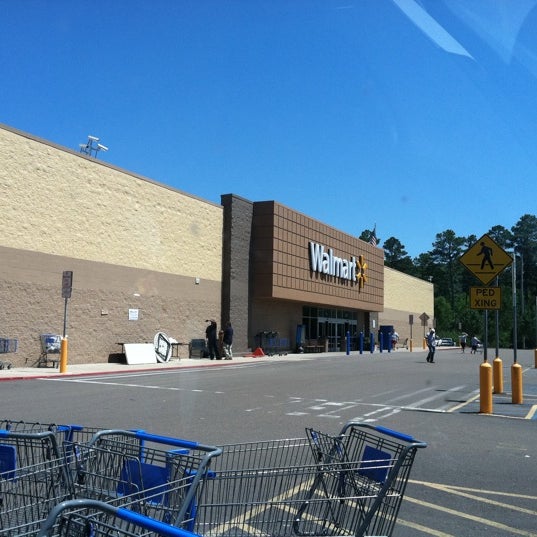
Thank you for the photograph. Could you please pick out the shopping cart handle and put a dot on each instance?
(151, 524)
(178, 442)
(167, 440)
(395, 434)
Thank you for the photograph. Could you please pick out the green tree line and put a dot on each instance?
(452, 282)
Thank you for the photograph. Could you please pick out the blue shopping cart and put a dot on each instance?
(91, 518)
(351, 484)
(150, 474)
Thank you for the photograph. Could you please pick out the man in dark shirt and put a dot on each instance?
(212, 342)
(228, 341)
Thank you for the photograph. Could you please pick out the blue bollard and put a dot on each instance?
(381, 342)
(372, 342)
(361, 343)
(348, 343)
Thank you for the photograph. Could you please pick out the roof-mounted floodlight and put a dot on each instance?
(91, 147)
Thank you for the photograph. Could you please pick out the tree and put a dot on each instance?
(396, 257)
(525, 244)
(447, 249)
(425, 267)
(501, 236)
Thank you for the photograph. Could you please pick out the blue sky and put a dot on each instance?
(414, 116)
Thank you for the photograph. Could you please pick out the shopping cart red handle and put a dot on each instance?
(160, 528)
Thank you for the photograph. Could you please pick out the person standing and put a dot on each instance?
(395, 340)
(431, 343)
(462, 339)
(228, 341)
(212, 341)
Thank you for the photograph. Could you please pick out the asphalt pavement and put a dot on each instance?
(502, 402)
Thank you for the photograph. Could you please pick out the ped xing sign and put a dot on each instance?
(486, 259)
(485, 298)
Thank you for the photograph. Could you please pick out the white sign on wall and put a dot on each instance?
(324, 261)
(133, 314)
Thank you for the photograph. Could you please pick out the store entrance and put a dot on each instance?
(334, 333)
(329, 326)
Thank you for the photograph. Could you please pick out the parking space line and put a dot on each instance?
(423, 529)
(478, 519)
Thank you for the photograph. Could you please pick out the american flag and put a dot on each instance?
(373, 238)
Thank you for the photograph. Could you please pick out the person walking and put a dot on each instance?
(431, 343)
(228, 341)
(474, 344)
(462, 340)
(211, 335)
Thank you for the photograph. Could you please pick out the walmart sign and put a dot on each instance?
(324, 261)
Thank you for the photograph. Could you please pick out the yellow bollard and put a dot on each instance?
(485, 388)
(535, 357)
(424, 343)
(410, 347)
(497, 375)
(516, 384)
(63, 355)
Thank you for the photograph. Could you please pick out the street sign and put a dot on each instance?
(485, 298)
(67, 283)
(424, 318)
(486, 259)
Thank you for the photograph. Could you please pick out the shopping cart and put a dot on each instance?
(33, 478)
(7, 346)
(91, 518)
(151, 474)
(321, 485)
(50, 345)
(154, 475)
(33, 472)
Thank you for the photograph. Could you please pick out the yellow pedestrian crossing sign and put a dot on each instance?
(486, 259)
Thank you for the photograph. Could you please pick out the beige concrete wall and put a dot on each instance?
(131, 243)
(64, 203)
(405, 295)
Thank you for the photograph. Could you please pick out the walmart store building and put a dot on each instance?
(148, 258)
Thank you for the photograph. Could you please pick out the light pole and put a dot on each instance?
(516, 369)
(515, 327)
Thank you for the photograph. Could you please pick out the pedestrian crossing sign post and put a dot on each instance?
(486, 259)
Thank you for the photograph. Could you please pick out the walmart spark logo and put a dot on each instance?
(361, 268)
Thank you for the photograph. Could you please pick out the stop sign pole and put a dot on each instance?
(67, 287)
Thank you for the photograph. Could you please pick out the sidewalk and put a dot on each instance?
(22, 373)
(103, 368)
